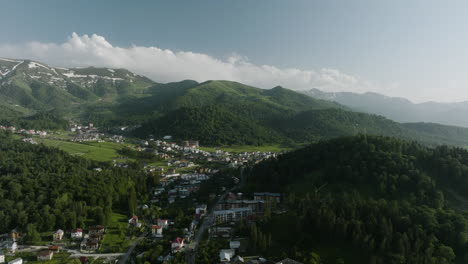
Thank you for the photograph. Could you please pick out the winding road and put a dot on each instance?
(125, 256)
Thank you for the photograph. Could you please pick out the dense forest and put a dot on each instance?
(42, 188)
(388, 200)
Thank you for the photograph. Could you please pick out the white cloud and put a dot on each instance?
(167, 66)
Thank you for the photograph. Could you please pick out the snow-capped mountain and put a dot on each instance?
(38, 86)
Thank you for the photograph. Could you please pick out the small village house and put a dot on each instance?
(156, 230)
(2, 257)
(11, 246)
(77, 233)
(200, 210)
(177, 244)
(225, 255)
(15, 234)
(45, 255)
(58, 235)
(54, 248)
(163, 222)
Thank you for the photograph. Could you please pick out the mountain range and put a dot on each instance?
(214, 112)
(398, 109)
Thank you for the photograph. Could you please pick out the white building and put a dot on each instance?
(11, 246)
(77, 233)
(235, 214)
(156, 230)
(58, 235)
(225, 255)
(2, 257)
(201, 210)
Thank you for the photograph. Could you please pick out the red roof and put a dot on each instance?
(178, 240)
(77, 230)
(135, 217)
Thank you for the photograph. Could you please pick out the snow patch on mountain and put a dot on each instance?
(33, 65)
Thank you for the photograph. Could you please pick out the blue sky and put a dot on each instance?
(415, 49)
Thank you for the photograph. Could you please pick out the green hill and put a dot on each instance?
(211, 125)
(374, 199)
(286, 116)
(38, 87)
(232, 112)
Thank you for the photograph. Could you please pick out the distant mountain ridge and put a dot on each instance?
(215, 112)
(32, 86)
(399, 109)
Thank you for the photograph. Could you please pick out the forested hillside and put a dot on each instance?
(382, 198)
(214, 112)
(43, 189)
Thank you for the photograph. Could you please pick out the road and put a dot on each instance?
(208, 220)
(125, 256)
(76, 254)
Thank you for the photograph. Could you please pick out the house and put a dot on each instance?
(15, 234)
(177, 244)
(54, 248)
(156, 230)
(45, 255)
(11, 246)
(2, 257)
(200, 210)
(193, 225)
(97, 230)
(225, 255)
(133, 220)
(16, 261)
(58, 235)
(92, 245)
(235, 214)
(77, 233)
(288, 261)
(163, 222)
(234, 244)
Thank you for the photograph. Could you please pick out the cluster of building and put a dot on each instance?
(235, 208)
(30, 132)
(85, 133)
(190, 154)
(9, 242)
(179, 186)
(158, 227)
(92, 241)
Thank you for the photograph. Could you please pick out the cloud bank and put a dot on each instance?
(163, 65)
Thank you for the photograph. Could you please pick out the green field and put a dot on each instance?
(106, 151)
(115, 237)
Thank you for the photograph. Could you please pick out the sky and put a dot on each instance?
(414, 49)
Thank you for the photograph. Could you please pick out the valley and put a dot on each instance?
(218, 171)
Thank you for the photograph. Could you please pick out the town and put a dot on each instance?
(197, 200)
